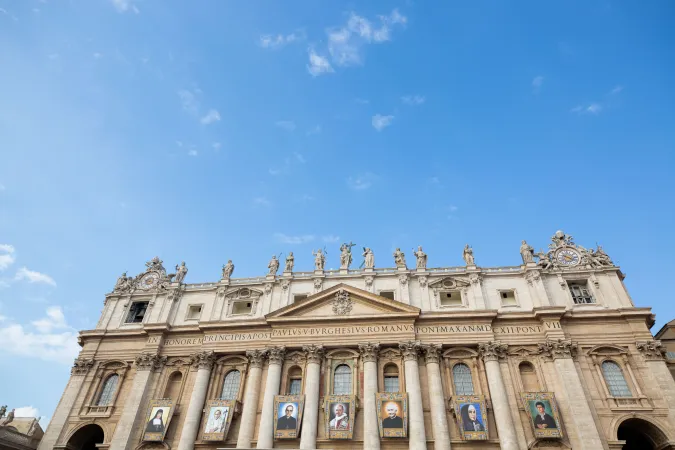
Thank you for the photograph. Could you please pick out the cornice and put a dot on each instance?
(351, 318)
(475, 315)
(232, 325)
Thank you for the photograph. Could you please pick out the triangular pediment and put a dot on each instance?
(343, 301)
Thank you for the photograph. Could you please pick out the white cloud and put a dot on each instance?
(285, 239)
(274, 172)
(261, 201)
(33, 277)
(41, 343)
(330, 239)
(616, 90)
(125, 5)
(278, 41)
(592, 108)
(413, 99)
(537, 82)
(381, 122)
(318, 64)
(26, 411)
(188, 101)
(55, 320)
(211, 117)
(7, 257)
(299, 157)
(192, 152)
(361, 182)
(315, 130)
(287, 125)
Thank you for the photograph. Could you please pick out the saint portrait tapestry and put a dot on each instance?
(158, 418)
(392, 410)
(472, 417)
(339, 416)
(288, 416)
(217, 419)
(543, 413)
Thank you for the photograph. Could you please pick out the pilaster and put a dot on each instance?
(439, 421)
(416, 433)
(256, 359)
(275, 358)
(203, 362)
(371, 435)
(314, 356)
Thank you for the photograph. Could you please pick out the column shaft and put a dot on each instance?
(417, 438)
(311, 416)
(439, 421)
(371, 432)
(500, 405)
(250, 409)
(133, 409)
(266, 429)
(193, 416)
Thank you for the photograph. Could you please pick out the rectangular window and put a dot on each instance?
(508, 298)
(295, 386)
(391, 384)
(387, 294)
(580, 292)
(298, 297)
(194, 312)
(451, 298)
(136, 312)
(242, 308)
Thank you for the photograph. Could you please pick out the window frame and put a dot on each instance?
(393, 293)
(104, 385)
(334, 358)
(386, 357)
(102, 373)
(237, 384)
(469, 357)
(620, 356)
(462, 301)
(515, 297)
(454, 365)
(385, 376)
(189, 307)
(223, 367)
(128, 309)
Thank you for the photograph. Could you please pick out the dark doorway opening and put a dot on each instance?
(86, 438)
(640, 435)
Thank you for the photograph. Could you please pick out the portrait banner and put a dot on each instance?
(542, 410)
(339, 416)
(392, 414)
(288, 416)
(157, 420)
(217, 419)
(472, 417)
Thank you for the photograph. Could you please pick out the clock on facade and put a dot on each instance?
(568, 257)
(149, 281)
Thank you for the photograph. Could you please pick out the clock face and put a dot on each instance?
(568, 257)
(149, 281)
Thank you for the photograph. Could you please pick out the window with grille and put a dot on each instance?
(461, 377)
(391, 382)
(295, 386)
(137, 312)
(580, 293)
(108, 390)
(231, 385)
(615, 380)
(342, 380)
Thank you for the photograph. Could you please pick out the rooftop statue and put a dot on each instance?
(181, 271)
(346, 255)
(399, 259)
(228, 269)
(290, 262)
(319, 259)
(526, 252)
(421, 258)
(273, 265)
(467, 254)
(369, 258)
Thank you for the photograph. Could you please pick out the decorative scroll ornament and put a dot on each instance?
(275, 355)
(154, 278)
(564, 253)
(313, 353)
(369, 351)
(432, 353)
(81, 366)
(369, 281)
(124, 285)
(268, 288)
(532, 277)
(651, 350)
(256, 357)
(493, 350)
(175, 294)
(475, 278)
(285, 284)
(403, 279)
(203, 360)
(149, 361)
(423, 281)
(558, 348)
(410, 350)
(342, 304)
(318, 284)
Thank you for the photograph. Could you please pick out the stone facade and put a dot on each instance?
(564, 324)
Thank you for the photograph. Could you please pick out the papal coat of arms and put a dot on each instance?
(342, 304)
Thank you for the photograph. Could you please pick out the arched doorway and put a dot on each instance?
(640, 435)
(86, 438)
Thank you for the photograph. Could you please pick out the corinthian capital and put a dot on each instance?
(558, 348)
(369, 351)
(256, 357)
(81, 366)
(492, 351)
(410, 350)
(149, 361)
(275, 355)
(651, 350)
(432, 353)
(313, 353)
(203, 360)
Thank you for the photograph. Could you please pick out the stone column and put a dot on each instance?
(371, 431)
(439, 421)
(417, 438)
(653, 352)
(136, 400)
(251, 395)
(275, 356)
(491, 352)
(310, 421)
(77, 373)
(561, 351)
(203, 362)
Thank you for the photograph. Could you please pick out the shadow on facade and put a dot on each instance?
(640, 435)
(86, 438)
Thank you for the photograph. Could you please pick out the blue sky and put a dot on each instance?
(206, 131)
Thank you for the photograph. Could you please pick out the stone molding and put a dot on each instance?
(558, 348)
(275, 355)
(313, 353)
(369, 351)
(651, 350)
(149, 361)
(410, 350)
(203, 360)
(432, 353)
(342, 304)
(256, 358)
(81, 366)
(492, 351)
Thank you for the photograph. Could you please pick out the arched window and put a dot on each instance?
(391, 383)
(342, 380)
(106, 396)
(231, 385)
(528, 376)
(461, 377)
(173, 386)
(615, 380)
(294, 381)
